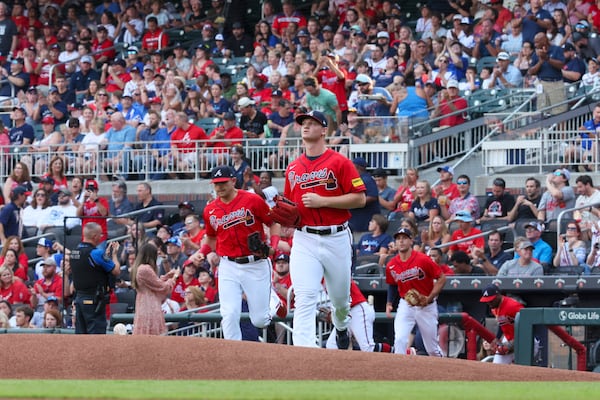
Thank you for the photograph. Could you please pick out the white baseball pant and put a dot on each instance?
(504, 358)
(312, 258)
(362, 317)
(426, 319)
(253, 279)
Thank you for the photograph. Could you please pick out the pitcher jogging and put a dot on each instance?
(324, 184)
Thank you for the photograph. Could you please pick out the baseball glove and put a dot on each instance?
(257, 246)
(285, 212)
(414, 298)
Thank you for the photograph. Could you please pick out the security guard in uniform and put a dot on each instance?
(91, 269)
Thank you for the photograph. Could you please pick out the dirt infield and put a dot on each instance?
(164, 358)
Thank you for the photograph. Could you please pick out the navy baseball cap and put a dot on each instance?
(47, 179)
(314, 115)
(361, 162)
(283, 257)
(187, 204)
(404, 231)
(222, 173)
(19, 190)
(489, 293)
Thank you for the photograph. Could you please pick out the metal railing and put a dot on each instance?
(507, 138)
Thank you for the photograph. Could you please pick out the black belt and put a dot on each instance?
(244, 260)
(323, 231)
(551, 80)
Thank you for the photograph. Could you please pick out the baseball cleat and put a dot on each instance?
(342, 339)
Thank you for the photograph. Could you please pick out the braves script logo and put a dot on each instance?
(307, 180)
(241, 216)
(409, 275)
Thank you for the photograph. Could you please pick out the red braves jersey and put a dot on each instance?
(330, 81)
(55, 286)
(151, 40)
(185, 140)
(286, 282)
(232, 136)
(451, 192)
(281, 21)
(331, 174)
(356, 296)
(90, 210)
(107, 46)
(505, 314)
(466, 245)
(16, 293)
(408, 196)
(418, 272)
(111, 84)
(233, 222)
(178, 293)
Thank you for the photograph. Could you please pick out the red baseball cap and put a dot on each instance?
(48, 119)
(91, 184)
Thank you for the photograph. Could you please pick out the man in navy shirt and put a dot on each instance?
(11, 223)
(21, 133)
(548, 62)
(81, 79)
(574, 66)
(536, 20)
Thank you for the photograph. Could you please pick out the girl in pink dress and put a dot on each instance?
(151, 292)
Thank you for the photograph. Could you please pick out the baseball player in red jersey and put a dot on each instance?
(230, 219)
(413, 270)
(361, 324)
(324, 184)
(505, 310)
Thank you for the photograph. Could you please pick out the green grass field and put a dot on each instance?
(179, 389)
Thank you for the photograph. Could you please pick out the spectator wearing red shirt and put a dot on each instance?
(20, 20)
(49, 285)
(446, 187)
(93, 206)
(220, 141)
(261, 94)
(450, 106)
(114, 77)
(333, 78)
(465, 230)
(289, 15)
(103, 42)
(193, 234)
(187, 278)
(48, 34)
(154, 38)
(184, 142)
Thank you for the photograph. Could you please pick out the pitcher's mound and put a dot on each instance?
(159, 357)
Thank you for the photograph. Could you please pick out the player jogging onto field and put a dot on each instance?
(324, 184)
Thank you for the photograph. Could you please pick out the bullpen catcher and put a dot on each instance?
(419, 281)
(505, 310)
